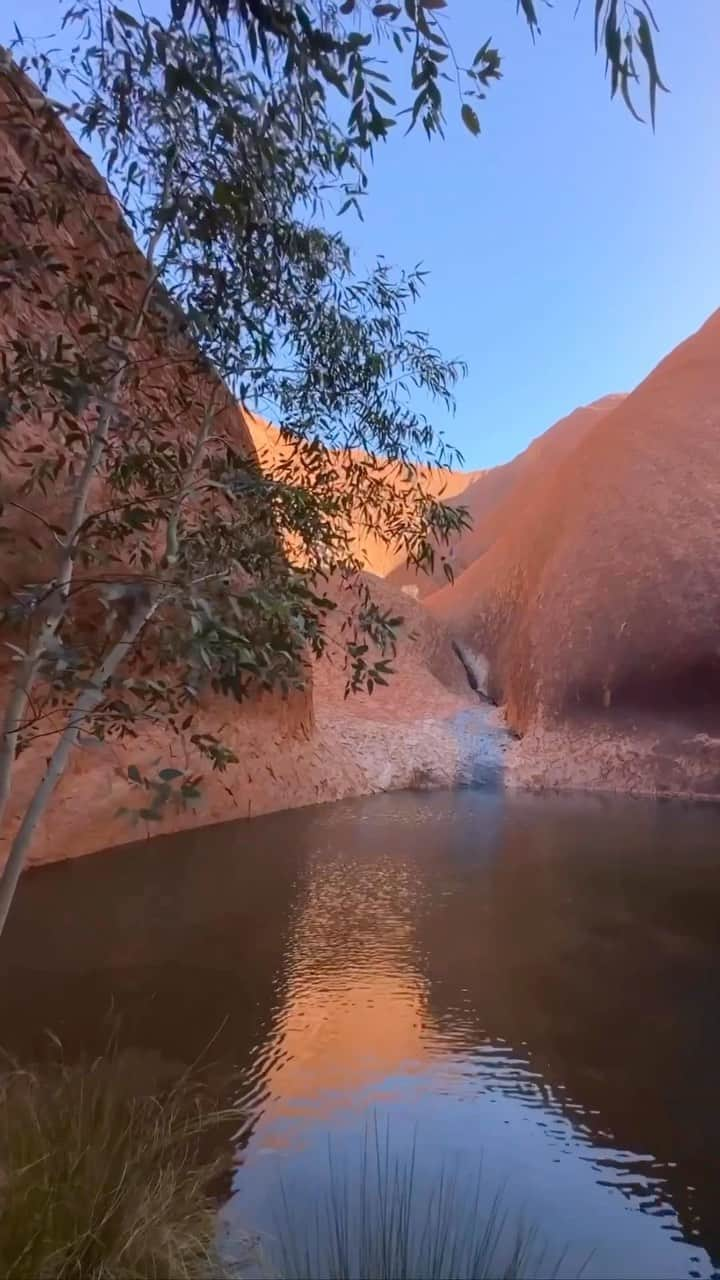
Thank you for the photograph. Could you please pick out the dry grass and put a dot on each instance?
(101, 1180)
(98, 1183)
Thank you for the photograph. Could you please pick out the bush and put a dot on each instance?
(98, 1183)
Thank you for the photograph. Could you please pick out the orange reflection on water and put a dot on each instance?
(353, 1018)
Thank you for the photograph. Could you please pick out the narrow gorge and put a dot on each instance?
(584, 603)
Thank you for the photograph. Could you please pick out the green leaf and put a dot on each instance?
(531, 18)
(645, 43)
(598, 10)
(125, 19)
(172, 80)
(470, 119)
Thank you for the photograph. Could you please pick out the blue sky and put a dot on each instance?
(569, 248)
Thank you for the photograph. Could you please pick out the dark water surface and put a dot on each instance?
(530, 981)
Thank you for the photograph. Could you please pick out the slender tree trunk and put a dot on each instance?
(25, 678)
(171, 536)
(18, 699)
(14, 712)
(84, 706)
(87, 701)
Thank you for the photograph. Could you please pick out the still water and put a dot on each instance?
(527, 983)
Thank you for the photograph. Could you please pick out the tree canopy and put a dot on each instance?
(338, 45)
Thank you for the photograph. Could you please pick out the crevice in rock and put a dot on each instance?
(471, 665)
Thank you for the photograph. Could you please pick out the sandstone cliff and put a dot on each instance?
(595, 591)
(488, 493)
(376, 555)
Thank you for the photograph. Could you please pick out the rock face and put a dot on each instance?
(595, 592)
(489, 492)
(376, 555)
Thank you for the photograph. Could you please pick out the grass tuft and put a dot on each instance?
(98, 1183)
(382, 1222)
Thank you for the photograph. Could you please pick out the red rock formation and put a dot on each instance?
(487, 495)
(596, 598)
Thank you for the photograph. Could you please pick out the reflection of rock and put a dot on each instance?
(595, 589)
(179, 946)
(354, 996)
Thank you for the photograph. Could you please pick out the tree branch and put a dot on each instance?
(85, 704)
(15, 709)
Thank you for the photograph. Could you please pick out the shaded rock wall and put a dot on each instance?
(597, 598)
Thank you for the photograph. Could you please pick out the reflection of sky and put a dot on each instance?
(357, 1039)
(480, 1111)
